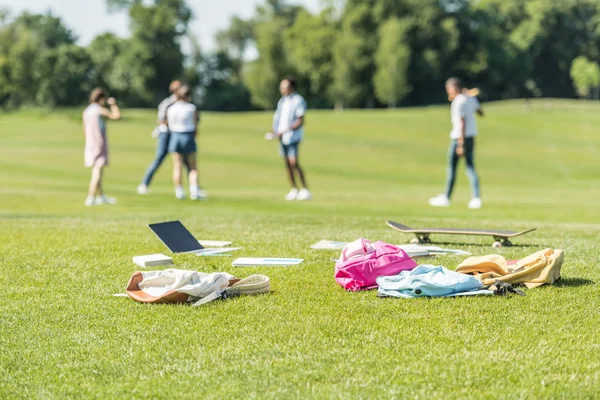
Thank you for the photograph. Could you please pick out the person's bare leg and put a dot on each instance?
(177, 164)
(290, 170)
(190, 160)
(296, 165)
(95, 182)
(177, 170)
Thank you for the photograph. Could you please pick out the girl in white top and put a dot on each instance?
(96, 143)
(182, 118)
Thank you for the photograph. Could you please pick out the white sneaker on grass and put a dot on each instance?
(198, 194)
(90, 201)
(179, 193)
(475, 203)
(303, 195)
(105, 200)
(142, 189)
(440, 200)
(291, 196)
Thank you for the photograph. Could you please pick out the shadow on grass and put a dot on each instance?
(574, 282)
(514, 245)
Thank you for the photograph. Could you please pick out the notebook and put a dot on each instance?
(266, 262)
(152, 260)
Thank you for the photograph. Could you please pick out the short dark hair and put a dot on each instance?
(97, 95)
(183, 92)
(292, 81)
(454, 82)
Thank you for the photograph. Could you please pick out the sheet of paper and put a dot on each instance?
(210, 252)
(328, 245)
(266, 262)
(214, 243)
(433, 249)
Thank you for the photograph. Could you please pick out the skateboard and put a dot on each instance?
(502, 238)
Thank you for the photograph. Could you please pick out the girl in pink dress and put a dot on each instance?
(96, 145)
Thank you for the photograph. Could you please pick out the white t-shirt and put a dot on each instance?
(465, 107)
(181, 117)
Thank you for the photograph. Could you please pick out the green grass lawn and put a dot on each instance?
(63, 334)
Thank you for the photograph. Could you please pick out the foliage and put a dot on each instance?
(585, 75)
(392, 60)
(344, 55)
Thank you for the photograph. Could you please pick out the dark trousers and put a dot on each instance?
(453, 159)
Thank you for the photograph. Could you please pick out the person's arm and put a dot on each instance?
(297, 123)
(196, 120)
(161, 118)
(480, 112)
(276, 118)
(113, 113)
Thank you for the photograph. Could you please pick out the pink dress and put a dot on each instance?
(96, 145)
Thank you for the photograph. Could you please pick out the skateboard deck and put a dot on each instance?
(501, 237)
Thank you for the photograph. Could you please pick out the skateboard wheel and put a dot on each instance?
(415, 241)
(497, 245)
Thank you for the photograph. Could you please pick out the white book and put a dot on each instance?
(266, 262)
(214, 243)
(152, 260)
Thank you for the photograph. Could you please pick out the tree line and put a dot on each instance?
(353, 53)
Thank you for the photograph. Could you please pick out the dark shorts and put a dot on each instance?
(289, 150)
(182, 143)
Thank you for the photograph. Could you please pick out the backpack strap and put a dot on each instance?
(255, 284)
(501, 288)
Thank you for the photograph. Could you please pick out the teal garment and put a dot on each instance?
(429, 281)
(182, 143)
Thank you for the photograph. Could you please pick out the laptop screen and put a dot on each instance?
(175, 237)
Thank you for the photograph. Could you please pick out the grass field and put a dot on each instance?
(63, 334)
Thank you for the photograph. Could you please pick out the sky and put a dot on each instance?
(88, 18)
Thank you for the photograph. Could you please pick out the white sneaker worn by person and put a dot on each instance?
(105, 200)
(198, 194)
(475, 203)
(90, 201)
(179, 193)
(439, 201)
(142, 189)
(303, 194)
(292, 194)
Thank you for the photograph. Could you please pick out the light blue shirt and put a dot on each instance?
(429, 281)
(289, 109)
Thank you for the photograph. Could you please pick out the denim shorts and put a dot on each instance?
(182, 143)
(289, 150)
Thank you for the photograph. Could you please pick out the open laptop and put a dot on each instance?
(179, 240)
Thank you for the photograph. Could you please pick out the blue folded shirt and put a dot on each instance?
(429, 281)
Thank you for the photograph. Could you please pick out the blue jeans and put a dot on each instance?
(453, 163)
(162, 149)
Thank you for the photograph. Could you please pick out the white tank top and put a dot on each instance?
(181, 117)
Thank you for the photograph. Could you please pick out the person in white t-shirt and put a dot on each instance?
(182, 120)
(464, 131)
(288, 126)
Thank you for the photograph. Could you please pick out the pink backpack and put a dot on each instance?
(361, 262)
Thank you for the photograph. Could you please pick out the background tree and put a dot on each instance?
(585, 75)
(392, 60)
